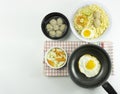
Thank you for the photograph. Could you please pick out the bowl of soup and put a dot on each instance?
(56, 57)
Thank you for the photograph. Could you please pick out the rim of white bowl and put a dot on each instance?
(106, 31)
(47, 61)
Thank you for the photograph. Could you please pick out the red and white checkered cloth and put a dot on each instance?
(69, 47)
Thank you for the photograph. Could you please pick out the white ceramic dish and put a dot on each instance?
(79, 36)
(60, 65)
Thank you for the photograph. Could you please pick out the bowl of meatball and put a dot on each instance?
(55, 25)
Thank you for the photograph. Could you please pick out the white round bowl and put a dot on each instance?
(78, 35)
(49, 64)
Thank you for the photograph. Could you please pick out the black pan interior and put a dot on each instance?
(79, 78)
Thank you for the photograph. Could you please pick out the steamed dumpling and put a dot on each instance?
(53, 22)
(58, 33)
(49, 27)
(62, 27)
(52, 33)
(59, 21)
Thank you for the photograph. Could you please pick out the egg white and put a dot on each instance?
(92, 33)
(89, 72)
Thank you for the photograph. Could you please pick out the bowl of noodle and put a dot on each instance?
(90, 22)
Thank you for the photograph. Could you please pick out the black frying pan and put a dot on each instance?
(100, 79)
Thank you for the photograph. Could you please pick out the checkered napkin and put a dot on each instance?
(69, 47)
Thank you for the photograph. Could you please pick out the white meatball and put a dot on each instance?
(52, 33)
(55, 27)
(62, 27)
(53, 22)
(59, 21)
(96, 14)
(97, 22)
(58, 33)
(49, 27)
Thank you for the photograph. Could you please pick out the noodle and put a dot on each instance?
(84, 18)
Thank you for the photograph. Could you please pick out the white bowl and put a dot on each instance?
(78, 35)
(51, 65)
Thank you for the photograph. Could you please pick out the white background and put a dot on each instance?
(22, 41)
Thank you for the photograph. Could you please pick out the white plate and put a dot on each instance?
(79, 36)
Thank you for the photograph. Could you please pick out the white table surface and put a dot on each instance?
(21, 47)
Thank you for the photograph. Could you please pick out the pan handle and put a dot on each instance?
(109, 88)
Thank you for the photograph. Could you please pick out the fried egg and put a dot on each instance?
(87, 33)
(89, 65)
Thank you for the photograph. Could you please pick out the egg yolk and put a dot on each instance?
(86, 33)
(90, 64)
